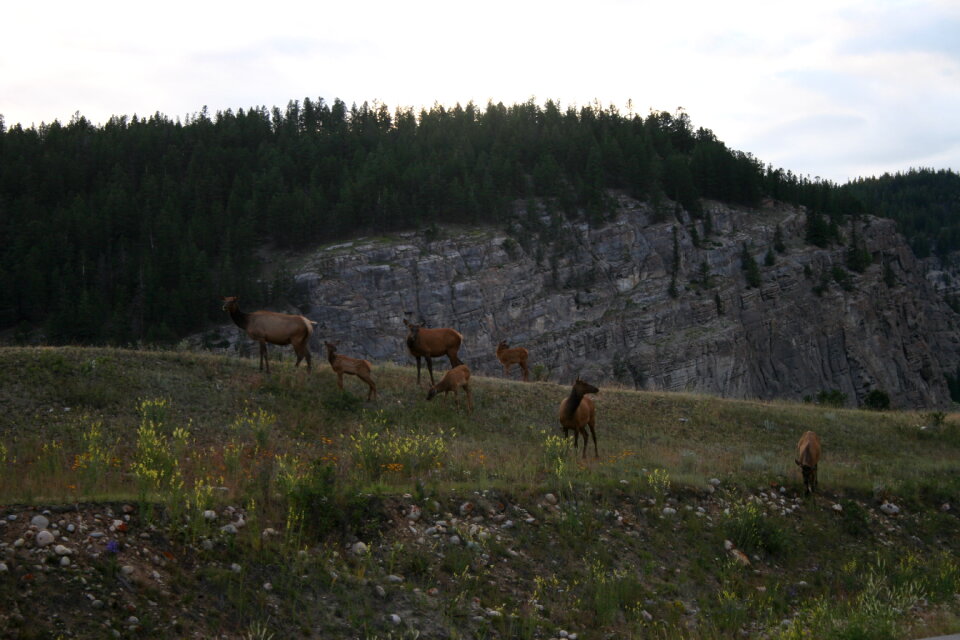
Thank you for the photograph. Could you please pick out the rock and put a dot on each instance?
(65, 561)
(61, 550)
(359, 549)
(394, 578)
(236, 568)
(414, 513)
(40, 522)
(550, 498)
(229, 528)
(669, 511)
(945, 507)
(455, 540)
(97, 604)
(210, 515)
(44, 538)
(128, 508)
(267, 586)
(380, 591)
(715, 482)
(3, 567)
(728, 545)
(71, 528)
(889, 508)
(647, 617)
(466, 508)
(394, 618)
(127, 570)
(837, 507)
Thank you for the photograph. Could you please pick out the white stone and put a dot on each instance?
(40, 522)
(395, 619)
(414, 513)
(210, 514)
(728, 545)
(359, 548)
(394, 578)
(61, 550)
(236, 568)
(837, 507)
(65, 561)
(127, 570)
(229, 528)
(44, 538)
(550, 498)
(669, 511)
(715, 482)
(3, 567)
(889, 508)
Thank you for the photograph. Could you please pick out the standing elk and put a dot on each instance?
(456, 378)
(432, 343)
(342, 364)
(808, 455)
(516, 355)
(577, 411)
(275, 328)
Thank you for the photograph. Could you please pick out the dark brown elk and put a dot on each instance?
(342, 364)
(456, 378)
(577, 412)
(432, 343)
(808, 456)
(516, 355)
(275, 328)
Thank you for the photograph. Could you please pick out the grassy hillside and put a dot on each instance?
(690, 523)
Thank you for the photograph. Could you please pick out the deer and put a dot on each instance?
(516, 355)
(808, 455)
(456, 378)
(342, 364)
(577, 411)
(432, 343)
(275, 328)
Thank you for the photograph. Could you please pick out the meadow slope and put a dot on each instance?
(189, 495)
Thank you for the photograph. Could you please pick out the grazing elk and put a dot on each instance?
(432, 343)
(456, 378)
(275, 328)
(342, 364)
(516, 355)
(808, 455)
(577, 411)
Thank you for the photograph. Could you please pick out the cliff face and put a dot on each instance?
(599, 303)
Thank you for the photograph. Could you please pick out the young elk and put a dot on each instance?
(456, 378)
(577, 411)
(354, 366)
(808, 455)
(516, 355)
(432, 343)
(275, 328)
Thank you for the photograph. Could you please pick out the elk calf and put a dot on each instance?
(577, 411)
(456, 378)
(432, 343)
(808, 455)
(353, 366)
(272, 327)
(516, 355)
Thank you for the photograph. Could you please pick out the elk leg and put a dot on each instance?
(263, 357)
(593, 431)
(466, 389)
(373, 388)
(429, 368)
(418, 369)
(340, 380)
(526, 372)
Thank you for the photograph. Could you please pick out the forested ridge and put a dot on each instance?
(124, 233)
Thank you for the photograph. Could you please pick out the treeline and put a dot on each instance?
(127, 232)
(924, 202)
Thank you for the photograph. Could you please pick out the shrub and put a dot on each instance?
(877, 400)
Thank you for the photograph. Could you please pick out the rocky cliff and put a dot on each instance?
(653, 305)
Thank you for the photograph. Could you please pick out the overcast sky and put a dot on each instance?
(830, 88)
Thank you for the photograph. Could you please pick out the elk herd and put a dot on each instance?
(577, 411)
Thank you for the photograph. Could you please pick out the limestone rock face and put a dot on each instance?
(598, 302)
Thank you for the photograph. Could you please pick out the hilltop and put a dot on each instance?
(192, 496)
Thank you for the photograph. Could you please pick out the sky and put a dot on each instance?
(831, 89)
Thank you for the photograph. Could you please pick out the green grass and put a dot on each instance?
(178, 432)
